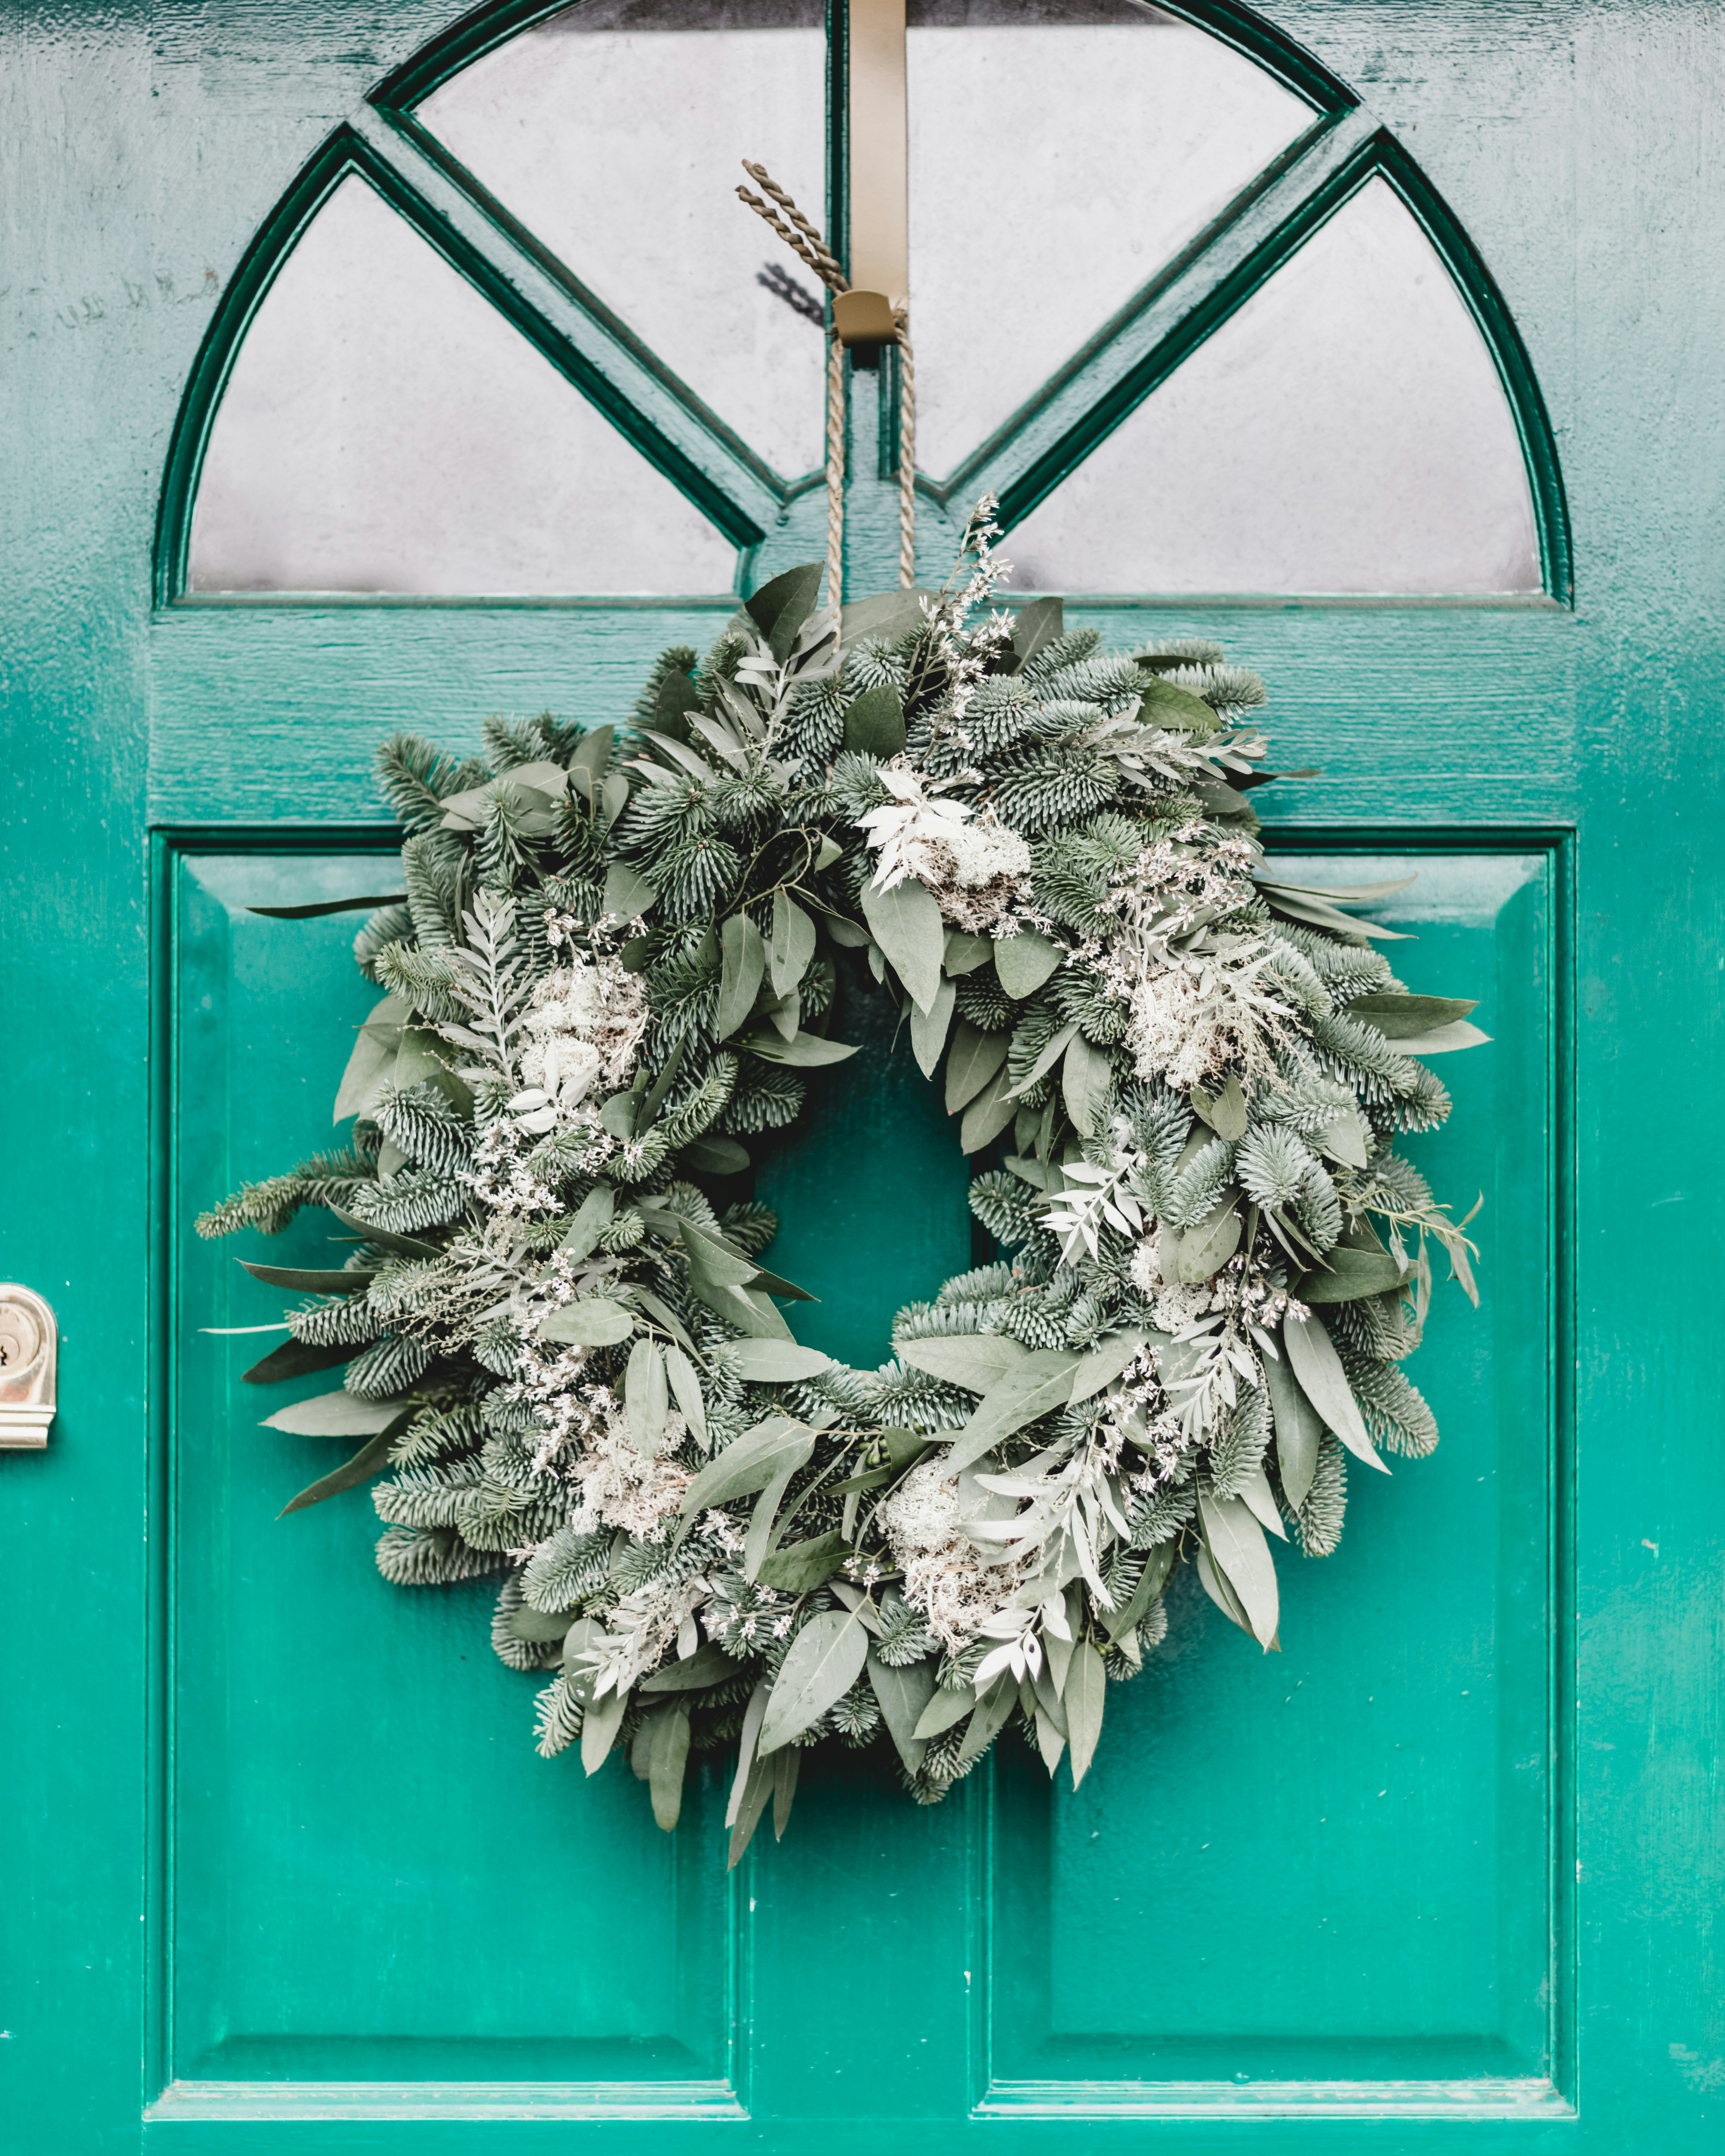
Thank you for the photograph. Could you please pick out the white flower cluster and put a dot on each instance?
(956, 1588)
(973, 867)
(584, 1024)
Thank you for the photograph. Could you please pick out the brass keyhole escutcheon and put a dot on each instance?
(28, 1355)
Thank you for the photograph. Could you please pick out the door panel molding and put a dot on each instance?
(1427, 1969)
(323, 1923)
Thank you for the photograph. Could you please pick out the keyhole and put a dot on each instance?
(20, 1338)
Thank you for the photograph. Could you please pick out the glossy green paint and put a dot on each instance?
(241, 1851)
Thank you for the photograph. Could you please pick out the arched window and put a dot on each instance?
(1185, 309)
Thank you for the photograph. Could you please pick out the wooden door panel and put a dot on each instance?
(375, 1880)
(1329, 1871)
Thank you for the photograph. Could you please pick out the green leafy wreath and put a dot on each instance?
(615, 959)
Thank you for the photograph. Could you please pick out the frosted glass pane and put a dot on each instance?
(614, 131)
(386, 429)
(1345, 431)
(1061, 152)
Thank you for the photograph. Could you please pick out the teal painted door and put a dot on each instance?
(282, 1866)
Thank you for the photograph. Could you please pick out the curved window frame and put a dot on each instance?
(763, 514)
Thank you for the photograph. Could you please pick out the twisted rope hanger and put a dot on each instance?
(804, 240)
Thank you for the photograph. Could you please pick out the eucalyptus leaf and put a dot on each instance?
(928, 1029)
(945, 1708)
(1025, 961)
(316, 912)
(974, 1360)
(666, 1762)
(761, 1520)
(1343, 1138)
(805, 1564)
(1104, 1362)
(792, 946)
(778, 1362)
(1178, 709)
(1312, 1357)
(975, 1058)
(1052, 1049)
(373, 1060)
(593, 1321)
(302, 1280)
(1299, 1430)
(1403, 1017)
(1238, 1548)
(296, 1358)
(989, 1114)
(626, 893)
(336, 1414)
(593, 1216)
(406, 1246)
(1085, 1077)
(779, 608)
(906, 924)
(964, 954)
(742, 964)
(1345, 1276)
(1204, 1251)
(874, 724)
(686, 1386)
(1084, 1696)
(599, 1725)
(1035, 625)
(1316, 915)
(372, 1459)
(1445, 1041)
(1036, 1387)
(709, 1664)
(1225, 1112)
(826, 1658)
(903, 1693)
(807, 1051)
(989, 1719)
(713, 1155)
(749, 1463)
(646, 1398)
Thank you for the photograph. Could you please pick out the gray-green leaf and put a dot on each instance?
(1299, 1428)
(1238, 1548)
(974, 1360)
(742, 962)
(1035, 1387)
(928, 1029)
(593, 1216)
(1312, 1357)
(903, 1694)
(707, 1666)
(907, 923)
(777, 1361)
(646, 1398)
(793, 942)
(336, 1414)
(1025, 961)
(750, 1462)
(805, 1564)
(1084, 1081)
(874, 724)
(825, 1660)
(989, 1114)
(1083, 1697)
(975, 1058)
(594, 1322)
